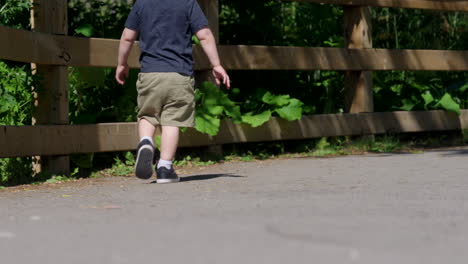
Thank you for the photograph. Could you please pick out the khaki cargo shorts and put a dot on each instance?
(166, 98)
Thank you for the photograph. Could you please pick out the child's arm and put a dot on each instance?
(126, 42)
(208, 44)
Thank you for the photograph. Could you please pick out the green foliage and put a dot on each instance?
(95, 97)
(258, 119)
(15, 13)
(212, 105)
(15, 171)
(103, 18)
(86, 30)
(189, 161)
(15, 95)
(15, 109)
(286, 107)
(123, 167)
(412, 91)
(58, 179)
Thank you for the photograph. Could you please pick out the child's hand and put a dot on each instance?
(221, 76)
(121, 73)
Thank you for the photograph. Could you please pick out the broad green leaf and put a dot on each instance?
(428, 98)
(309, 109)
(256, 120)
(195, 40)
(408, 105)
(464, 87)
(234, 113)
(207, 124)
(277, 100)
(212, 94)
(291, 112)
(447, 103)
(215, 101)
(214, 110)
(86, 30)
(418, 86)
(396, 88)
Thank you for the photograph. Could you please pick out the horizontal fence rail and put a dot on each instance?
(48, 140)
(26, 46)
(442, 5)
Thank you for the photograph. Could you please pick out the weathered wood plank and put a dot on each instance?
(25, 46)
(443, 5)
(301, 58)
(49, 140)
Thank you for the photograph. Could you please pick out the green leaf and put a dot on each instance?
(195, 40)
(396, 88)
(428, 98)
(277, 100)
(447, 103)
(464, 87)
(408, 105)
(234, 113)
(86, 30)
(291, 112)
(418, 86)
(214, 102)
(214, 109)
(309, 109)
(207, 124)
(256, 120)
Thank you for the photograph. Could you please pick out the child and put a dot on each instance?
(165, 84)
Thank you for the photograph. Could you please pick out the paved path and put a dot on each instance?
(389, 208)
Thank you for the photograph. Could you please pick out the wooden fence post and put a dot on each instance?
(358, 35)
(51, 102)
(211, 10)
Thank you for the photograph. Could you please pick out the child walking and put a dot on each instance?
(165, 84)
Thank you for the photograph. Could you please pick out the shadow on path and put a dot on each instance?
(203, 177)
(453, 153)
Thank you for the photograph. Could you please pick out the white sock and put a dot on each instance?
(148, 138)
(165, 163)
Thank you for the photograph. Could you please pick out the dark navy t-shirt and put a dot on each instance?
(165, 30)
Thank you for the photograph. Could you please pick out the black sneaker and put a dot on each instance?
(144, 160)
(165, 175)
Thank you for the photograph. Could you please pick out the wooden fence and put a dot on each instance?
(51, 51)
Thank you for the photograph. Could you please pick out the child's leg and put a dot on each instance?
(169, 142)
(145, 151)
(145, 129)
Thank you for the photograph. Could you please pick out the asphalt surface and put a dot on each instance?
(389, 208)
